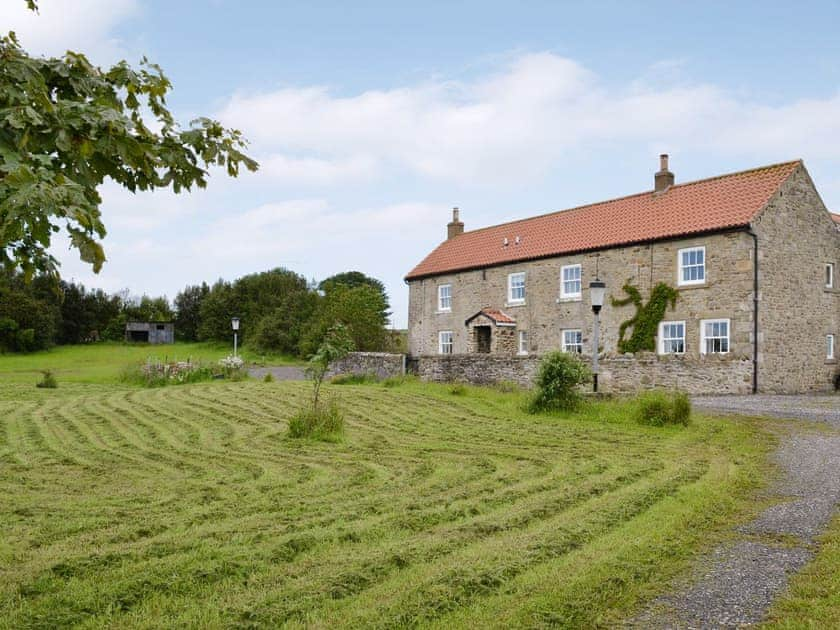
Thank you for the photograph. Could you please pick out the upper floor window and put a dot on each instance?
(714, 336)
(829, 347)
(672, 338)
(523, 342)
(516, 288)
(570, 282)
(445, 342)
(572, 341)
(829, 275)
(692, 265)
(445, 297)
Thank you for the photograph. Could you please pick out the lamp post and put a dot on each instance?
(597, 289)
(234, 323)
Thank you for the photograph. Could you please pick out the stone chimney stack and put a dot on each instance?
(664, 178)
(454, 227)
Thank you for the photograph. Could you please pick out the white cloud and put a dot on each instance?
(516, 124)
(61, 25)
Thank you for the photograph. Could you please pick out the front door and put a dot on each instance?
(482, 339)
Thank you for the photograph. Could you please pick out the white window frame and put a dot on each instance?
(829, 267)
(680, 267)
(703, 323)
(564, 295)
(450, 342)
(564, 346)
(523, 343)
(662, 339)
(441, 297)
(829, 347)
(512, 300)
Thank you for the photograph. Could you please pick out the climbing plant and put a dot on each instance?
(646, 320)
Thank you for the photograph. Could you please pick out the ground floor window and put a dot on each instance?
(572, 341)
(714, 336)
(445, 342)
(671, 337)
(523, 342)
(829, 346)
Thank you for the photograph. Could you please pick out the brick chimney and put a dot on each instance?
(454, 227)
(664, 178)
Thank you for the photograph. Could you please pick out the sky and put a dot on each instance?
(371, 120)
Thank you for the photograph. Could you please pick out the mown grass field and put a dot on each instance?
(189, 506)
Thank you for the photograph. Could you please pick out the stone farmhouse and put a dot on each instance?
(750, 259)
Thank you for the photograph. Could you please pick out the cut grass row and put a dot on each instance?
(190, 506)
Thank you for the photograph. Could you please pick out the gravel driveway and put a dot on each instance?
(736, 583)
(280, 373)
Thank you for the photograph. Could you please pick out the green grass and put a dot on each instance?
(104, 362)
(190, 506)
(813, 597)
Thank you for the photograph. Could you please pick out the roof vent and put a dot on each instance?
(518, 240)
(505, 242)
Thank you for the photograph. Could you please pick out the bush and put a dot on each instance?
(557, 383)
(48, 381)
(323, 422)
(659, 408)
(268, 378)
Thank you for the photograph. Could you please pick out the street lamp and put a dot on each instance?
(234, 323)
(597, 289)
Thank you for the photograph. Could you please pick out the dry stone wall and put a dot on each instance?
(379, 364)
(617, 374)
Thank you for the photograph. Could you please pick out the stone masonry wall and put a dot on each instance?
(618, 374)
(727, 293)
(381, 364)
(796, 238)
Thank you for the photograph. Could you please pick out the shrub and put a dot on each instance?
(323, 422)
(354, 379)
(660, 408)
(48, 381)
(268, 378)
(557, 383)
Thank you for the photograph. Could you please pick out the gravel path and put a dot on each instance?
(736, 584)
(280, 373)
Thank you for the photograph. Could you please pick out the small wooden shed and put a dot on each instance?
(150, 332)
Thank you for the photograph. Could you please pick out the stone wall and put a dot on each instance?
(380, 364)
(708, 374)
(796, 238)
(617, 374)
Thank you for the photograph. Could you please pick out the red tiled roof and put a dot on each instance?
(836, 217)
(498, 317)
(726, 201)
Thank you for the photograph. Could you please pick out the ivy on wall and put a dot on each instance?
(646, 320)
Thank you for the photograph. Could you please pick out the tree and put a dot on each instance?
(188, 306)
(353, 279)
(335, 345)
(360, 309)
(66, 125)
